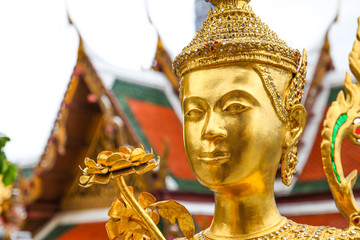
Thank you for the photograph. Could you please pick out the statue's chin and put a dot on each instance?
(212, 184)
(251, 184)
(216, 184)
(211, 176)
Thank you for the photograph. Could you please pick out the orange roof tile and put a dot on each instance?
(203, 221)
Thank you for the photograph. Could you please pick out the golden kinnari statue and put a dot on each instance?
(241, 92)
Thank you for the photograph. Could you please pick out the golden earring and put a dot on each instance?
(288, 164)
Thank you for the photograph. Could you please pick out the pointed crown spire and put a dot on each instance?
(232, 32)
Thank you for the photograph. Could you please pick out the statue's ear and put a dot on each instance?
(295, 125)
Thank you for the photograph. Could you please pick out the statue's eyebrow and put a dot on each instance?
(241, 95)
(190, 99)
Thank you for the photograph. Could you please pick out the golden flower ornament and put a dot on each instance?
(115, 164)
(125, 223)
(130, 218)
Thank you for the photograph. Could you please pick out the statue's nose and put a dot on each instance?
(213, 128)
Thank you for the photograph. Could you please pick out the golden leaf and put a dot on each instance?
(101, 158)
(84, 179)
(128, 236)
(114, 158)
(146, 199)
(103, 179)
(125, 150)
(116, 209)
(122, 172)
(138, 236)
(143, 232)
(137, 154)
(91, 163)
(126, 225)
(154, 216)
(147, 157)
(174, 211)
(111, 229)
(125, 214)
(92, 170)
(143, 168)
(121, 164)
(130, 228)
(136, 163)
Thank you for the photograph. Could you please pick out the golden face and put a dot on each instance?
(231, 130)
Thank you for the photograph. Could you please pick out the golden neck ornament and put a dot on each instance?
(291, 230)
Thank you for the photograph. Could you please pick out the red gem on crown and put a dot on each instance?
(357, 131)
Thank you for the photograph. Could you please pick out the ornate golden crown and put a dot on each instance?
(233, 33)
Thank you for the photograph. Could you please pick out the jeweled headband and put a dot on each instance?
(232, 33)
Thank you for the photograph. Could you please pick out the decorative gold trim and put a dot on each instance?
(343, 120)
(233, 33)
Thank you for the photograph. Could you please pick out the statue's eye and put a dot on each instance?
(234, 108)
(194, 113)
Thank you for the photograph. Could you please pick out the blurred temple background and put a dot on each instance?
(82, 76)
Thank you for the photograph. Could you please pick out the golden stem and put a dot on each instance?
(150, 225)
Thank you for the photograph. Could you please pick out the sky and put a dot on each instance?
(38, 48)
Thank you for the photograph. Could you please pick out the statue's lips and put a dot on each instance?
(215, 157)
